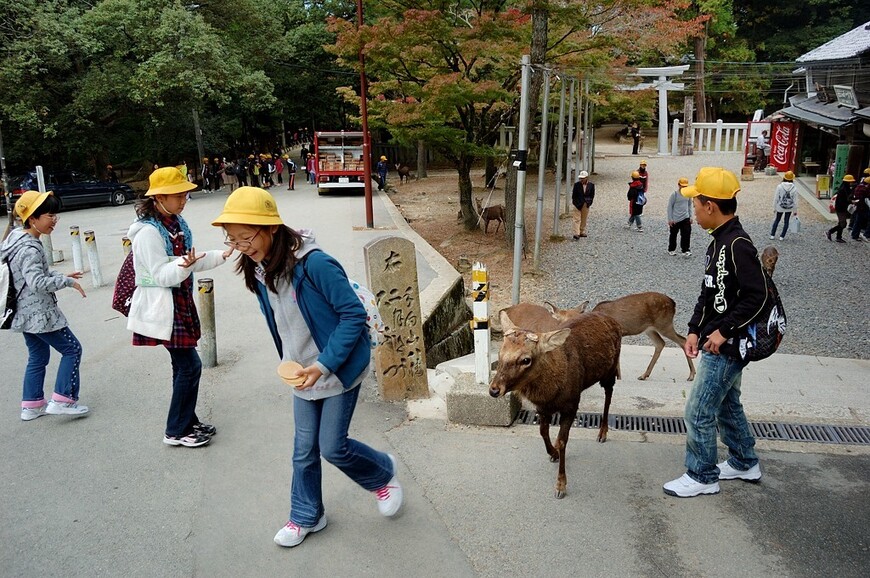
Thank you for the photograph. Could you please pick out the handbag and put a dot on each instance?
(125, 286)
(852, 208)
(832, 205)
(796, 224)
(641, 199)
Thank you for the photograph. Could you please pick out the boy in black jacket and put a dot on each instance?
(732, 294)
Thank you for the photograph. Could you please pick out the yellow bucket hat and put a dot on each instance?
(168, 181)
(683, 182)
(788, 176)
(249, 206)
(28, 202)
(715, 183)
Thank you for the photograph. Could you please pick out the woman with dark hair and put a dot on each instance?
(162, 311)
(317, 321)
(37, 316)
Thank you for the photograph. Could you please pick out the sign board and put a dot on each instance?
(783, 146)
(840, 162)
(846, 96)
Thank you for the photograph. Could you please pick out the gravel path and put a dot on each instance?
(822, 284)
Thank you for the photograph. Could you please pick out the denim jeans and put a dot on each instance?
(66, 384)
(186, 370)
(776, 224)
(860, 221)
(715, 399)
(321, 429)
(635, 219)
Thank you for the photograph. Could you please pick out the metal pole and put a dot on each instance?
(364, 112)
(208, 341)
(560, 150)
(78, 265)
(569, 153)
(587, 132)
(580, 134)
(480, 323)
(542, 168)
(520, 163)
(46, 239)
(94, 258)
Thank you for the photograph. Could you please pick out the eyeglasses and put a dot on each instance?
(51, 216)
(243, 244)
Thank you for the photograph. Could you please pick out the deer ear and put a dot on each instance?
(553, 339)
(582, 307)
(507, 326)
(551, 308)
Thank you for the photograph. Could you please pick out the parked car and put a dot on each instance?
(74, 189)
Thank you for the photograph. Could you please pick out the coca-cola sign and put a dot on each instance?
(783, 143)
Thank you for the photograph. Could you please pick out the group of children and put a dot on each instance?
(314, 316)
(679, 209)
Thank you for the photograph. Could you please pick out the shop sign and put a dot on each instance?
(783, 145)
(846, 96)
(840, 162)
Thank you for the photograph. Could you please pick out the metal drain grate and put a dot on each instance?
(826, 434)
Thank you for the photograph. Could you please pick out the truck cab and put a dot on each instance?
(339, 160)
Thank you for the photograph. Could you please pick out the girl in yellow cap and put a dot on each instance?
(316, 320)
(37, 316)
(163, 311)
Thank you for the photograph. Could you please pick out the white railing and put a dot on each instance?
(711, 137)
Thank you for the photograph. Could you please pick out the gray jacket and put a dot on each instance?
(35, 283)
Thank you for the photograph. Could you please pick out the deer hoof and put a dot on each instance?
(691, 377)
(642, 377)
(554, 458)
(560, 493)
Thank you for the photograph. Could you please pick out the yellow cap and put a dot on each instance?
(249, 206)
(713, 182)
(643, 163)
(383, 158)
(28, 202)
(848, 179)
(788, 176)
(168, 181)
(683, 182)
(635, 175)
(867, 171)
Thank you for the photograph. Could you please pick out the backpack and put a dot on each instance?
(641, 199)
(125, 286)
(765, 333)
(374, 323)
(787, 199)
(8, 295)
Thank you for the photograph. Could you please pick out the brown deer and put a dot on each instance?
(404, 172)
(651, 313)
(494, 213)
(551, 369)
(769, 257)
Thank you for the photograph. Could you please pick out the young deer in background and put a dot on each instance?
(494, 213)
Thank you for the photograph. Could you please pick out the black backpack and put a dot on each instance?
(10, 303)
(765, 333)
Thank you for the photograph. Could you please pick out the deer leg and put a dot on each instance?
(544, 425)
(659, 344)
(672, 334)
(565, 422)
(607, 383)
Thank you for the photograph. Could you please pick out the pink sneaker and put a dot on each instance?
(390, 496)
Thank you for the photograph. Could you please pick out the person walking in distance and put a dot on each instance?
(784, 203)
(861, 218)
(635, 137)
(37, 316)
(680, 220)
(317, 321)
(582, 197)
(762, 150)
(635, 209)
(382, 169)
(291, 174)
(644, 175)
(733, 293)
(841, 207)
(163, 311)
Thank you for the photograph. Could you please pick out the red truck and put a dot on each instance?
(339, 160)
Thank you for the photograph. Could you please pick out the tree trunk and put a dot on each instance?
(466, 192)
(422, 160)
(537, 56)
(489, 172)
(700, 44)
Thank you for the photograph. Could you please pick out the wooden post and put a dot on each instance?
(208, 341)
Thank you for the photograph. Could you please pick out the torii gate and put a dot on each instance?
(663, 84)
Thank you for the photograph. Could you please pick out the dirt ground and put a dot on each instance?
(431, 205)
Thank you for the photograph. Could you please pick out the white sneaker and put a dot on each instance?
(772, 237)
(29, 413)
(686, 487)
(672, 253)
(687, 254)
(390, 496)
(61, 408)
(726, 472)
(782, 238)
(292, 535)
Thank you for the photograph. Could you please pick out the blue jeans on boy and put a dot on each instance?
(186, 371)
(66, 384)
(321, 430)
(635, 219)
(776, 224)
(715, 399)
(860, 221)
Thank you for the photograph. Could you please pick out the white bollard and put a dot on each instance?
(94, 259)
(76, 239)
(208, 340)
(480, 323)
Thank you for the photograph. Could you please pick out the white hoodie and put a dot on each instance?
(152, 309)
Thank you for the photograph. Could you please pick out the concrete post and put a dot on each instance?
(76, 240)
(718, 146)
(480, 323)
(542, 167)
(45, 239)
(676, 137)
(94, 258)
(208, 341)
(127, 245)
(560, 150)
(569, 182)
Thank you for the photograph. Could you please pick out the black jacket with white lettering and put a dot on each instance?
(734, 288)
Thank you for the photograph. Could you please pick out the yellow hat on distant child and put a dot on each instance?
(249, 206)
(635, 175)
(788, 176)
(848, 179)
(28, 202)
(715, 183)
(683, 182)
(168, 181)
(383, 158)
(643, 163)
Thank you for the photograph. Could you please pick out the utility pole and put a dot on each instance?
(520, 163)
(364, 112)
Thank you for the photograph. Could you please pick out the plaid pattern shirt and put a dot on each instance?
(185, 323)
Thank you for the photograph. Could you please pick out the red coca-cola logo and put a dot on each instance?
(780, 145)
